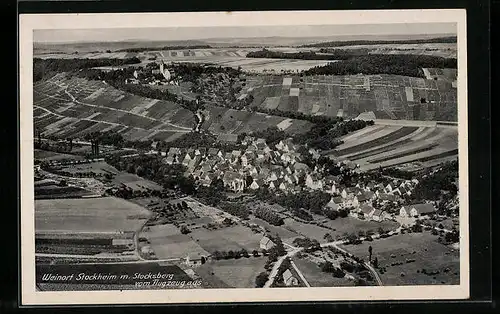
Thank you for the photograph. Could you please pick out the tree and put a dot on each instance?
(255, 253)
(185, 229)
(261, 279)
(370, 251)
(327, 267)
(328, 237)
(375, 262)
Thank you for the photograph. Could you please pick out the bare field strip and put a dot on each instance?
(105, 214)
(386, 138)
(434, 153)
(389, 146)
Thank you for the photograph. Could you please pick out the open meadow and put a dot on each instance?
(235, 273)
(439, 262)
(88, 215)
(316, 278)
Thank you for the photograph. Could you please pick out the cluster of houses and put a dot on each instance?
(378, 201)
(280, 168)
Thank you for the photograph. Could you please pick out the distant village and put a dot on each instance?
(154, 74)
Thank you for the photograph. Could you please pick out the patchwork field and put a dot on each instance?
(387, 96)
(221, 120)
(384, 145)
(71, 107)
(235, 273)
(423, 248)
(445, 50)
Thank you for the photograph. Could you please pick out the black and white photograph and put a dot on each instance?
(183, 157)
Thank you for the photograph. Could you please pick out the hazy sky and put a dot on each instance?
(185, 33)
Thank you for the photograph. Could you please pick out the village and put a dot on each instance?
(281, 170)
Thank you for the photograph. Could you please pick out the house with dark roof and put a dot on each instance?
(417, 210)
(333, 204)
(367, 211)
(366, 196)
(233, 181)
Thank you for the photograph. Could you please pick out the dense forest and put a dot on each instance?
(269, 216)
(297, 115)
(324, 136)
(303, 55)
(450, 39)
(45, 67)
(397, 64)
(142, 49)
(431, 187)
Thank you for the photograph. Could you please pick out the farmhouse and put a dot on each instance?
(417, 210)
(286, 145)
(333, 204)
(255, 185)
(362, 198)
(289, 279)
(379, 215)
(233, 181)
(195, 259)
(367, 211)
(266, 243)
(384, 197)
(314, 182)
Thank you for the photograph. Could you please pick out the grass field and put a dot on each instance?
(353, 225)
(93, 215)
(95, 167)
(54, 156)
(284, 233)
(135, 182)
(316, 278)
(225, 239)
(307, 230)
(236, 273)
(429, 255)
(167, 244)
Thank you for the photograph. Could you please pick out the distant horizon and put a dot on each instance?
(73, 36)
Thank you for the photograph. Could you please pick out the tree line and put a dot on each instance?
(397, 64)
(269, 216)
(303, 55)
(179, 47)
(449, 39)
(431, 187)
(45, 67)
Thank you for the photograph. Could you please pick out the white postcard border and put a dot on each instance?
(30, 22)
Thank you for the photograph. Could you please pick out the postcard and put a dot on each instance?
(243, 157)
